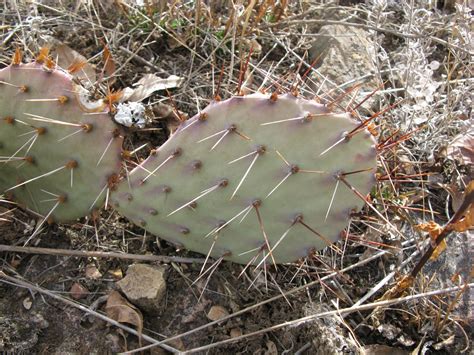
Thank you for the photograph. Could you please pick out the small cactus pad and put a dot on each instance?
(56, 158)
(254, 178)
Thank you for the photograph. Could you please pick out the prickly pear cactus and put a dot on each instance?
(57, 157)
(254, 179)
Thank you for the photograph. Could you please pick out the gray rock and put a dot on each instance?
(343, 54)
(144, 286)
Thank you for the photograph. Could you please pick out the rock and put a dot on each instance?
(342, 54)
(235, 332)
(329, 337)
(27, 303)
(144, 286)
(382, 349)
(78, 291)
(92, 272)
(217, 312)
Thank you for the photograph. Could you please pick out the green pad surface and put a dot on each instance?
(254, 165)
(67, 156)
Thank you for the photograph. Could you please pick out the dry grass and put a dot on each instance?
(422, 55)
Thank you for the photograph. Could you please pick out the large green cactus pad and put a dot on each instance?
(56, 158)
(252, 178)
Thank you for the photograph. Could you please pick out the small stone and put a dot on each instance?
(217, 312)
(144, 285)
(78, 291)
(27, 303)
(92, 272)
(235, 332)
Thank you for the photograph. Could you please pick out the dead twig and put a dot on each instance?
(99, 254)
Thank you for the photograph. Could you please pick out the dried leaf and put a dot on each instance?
(461, 148)
(438, 250)
(147, 85)
(465, 223)
(43, 55)
(74, 62)
(109, 64)
(403, 284)
(119, 309)
(433, 229)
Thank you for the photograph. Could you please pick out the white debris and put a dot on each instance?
(131, 114)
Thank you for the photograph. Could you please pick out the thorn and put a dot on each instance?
(360, 127)
(251, 261)
(174, 154)
(28, 159)
(208, 255)
(256, 205)
(21, 88)
(385, 145)
(70, 165)
(216, 230)
(17, 57)
(30, 141)
(50, 120)
(258, 152)
(332, 200)
(311, 67)
(216, 93)
(105, 150)
(211, 136)
(293, 170)
(76, 66)
(214, 268)
(339, 98)
(61, 99)
(356, 171)
(221, 183)
(368, 97)
(43, 55)
(243, 70)
(307, 118)
(112, 97)
(176, 111)
(220, 140)
(276, 245)
(344, 138)
(85, 128)
(98, 196)
(326, 240)
(60, 199)
(358, 194)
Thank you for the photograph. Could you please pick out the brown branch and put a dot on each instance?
(99, 254)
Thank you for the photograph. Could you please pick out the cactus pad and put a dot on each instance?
(253, 178)
(57, 157)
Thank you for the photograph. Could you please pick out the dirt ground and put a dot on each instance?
(406, 41)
